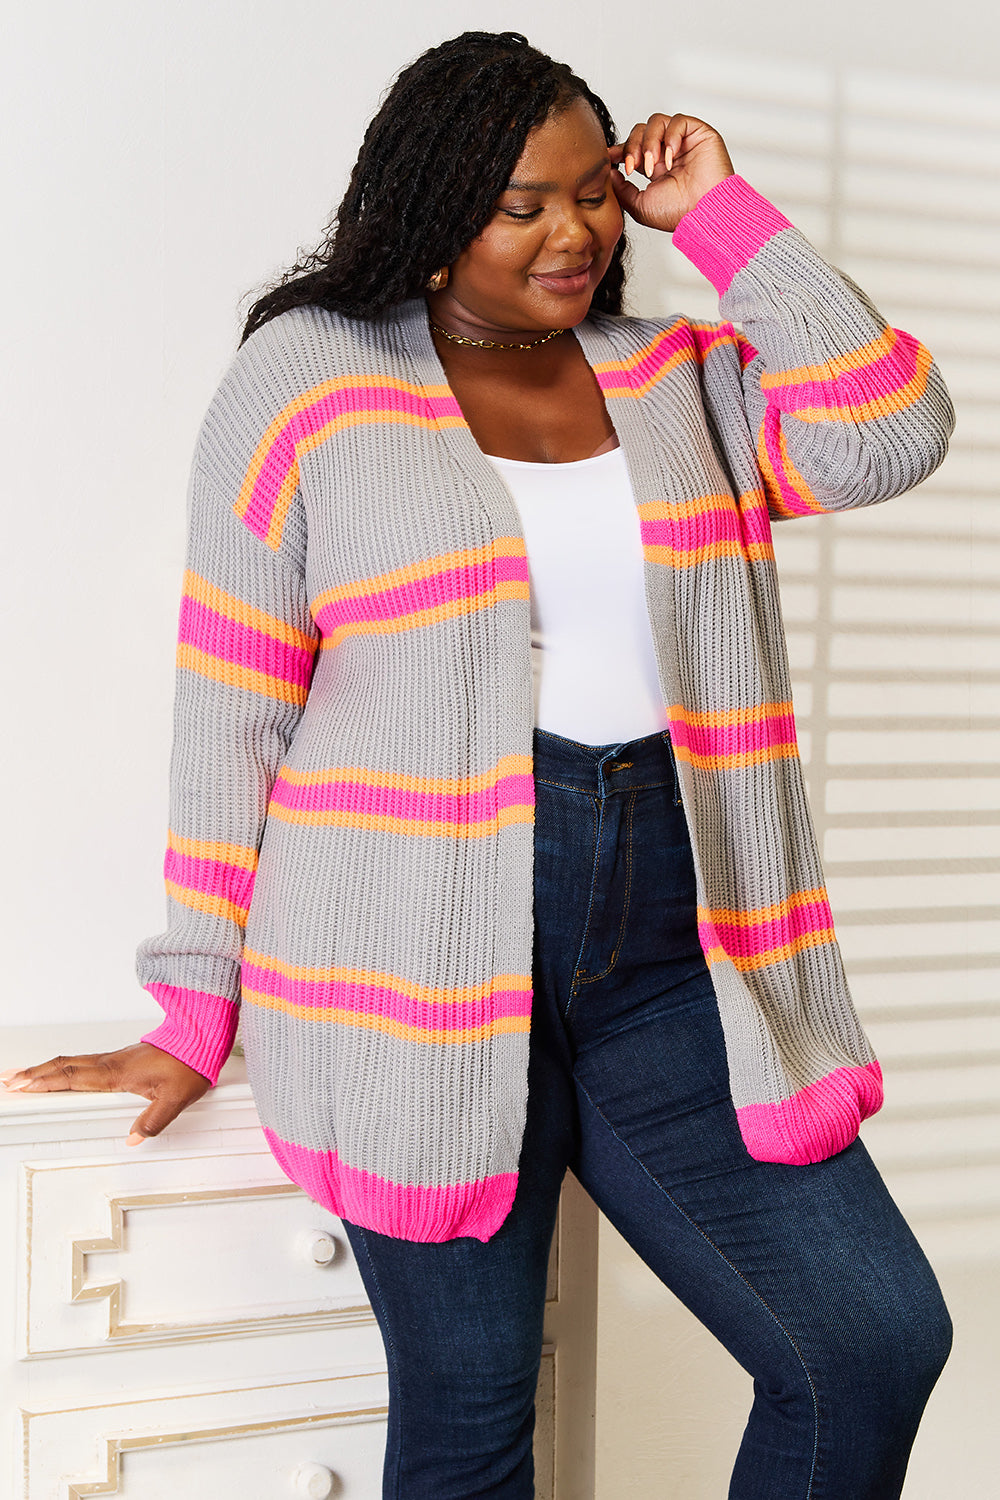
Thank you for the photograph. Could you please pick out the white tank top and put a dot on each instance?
(593, 664)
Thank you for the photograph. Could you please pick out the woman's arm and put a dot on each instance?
(844, 411)
(244, 662)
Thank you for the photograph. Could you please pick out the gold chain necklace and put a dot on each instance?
(457, 338)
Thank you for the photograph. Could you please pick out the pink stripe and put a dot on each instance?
(755, 521)
(428, 1214)
(734, 739)
(209, 876)
(445, 587)
(397, 802)
(226, 640)
(511, 568)
(762, 937)
(381, 1000)
(791, 500)
(283, 453)
(743, 524)
(747, 351)
(815, 1123)
(199, 1028)
(883, 377)
(726, 228)
(649, 366)
(281, 458)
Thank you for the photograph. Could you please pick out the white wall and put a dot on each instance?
(163, 161)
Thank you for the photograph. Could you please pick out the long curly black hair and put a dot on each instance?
(432, 165)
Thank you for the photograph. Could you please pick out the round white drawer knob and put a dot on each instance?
(315, 1481)
(319, 1247)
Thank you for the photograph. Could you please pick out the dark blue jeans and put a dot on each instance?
(808, 1275)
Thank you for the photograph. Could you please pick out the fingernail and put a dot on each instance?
(648, 163)
(669, 160)
(9, 1073)
(135, 1139)
(15, 1088)
(629, 165)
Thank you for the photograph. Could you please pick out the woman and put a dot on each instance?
(532, 871)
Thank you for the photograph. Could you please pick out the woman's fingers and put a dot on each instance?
(681, 157)
(169, 1084)
(651, 145)
(87, 1073)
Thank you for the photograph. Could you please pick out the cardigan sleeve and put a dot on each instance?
(844, 410)
(246, 646)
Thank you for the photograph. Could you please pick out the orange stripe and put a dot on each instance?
(752, 917)
(791, 473)
(425, 568)
(679, 357)
(202, 592)
(433, 616)
(857, 359)
(879, 406)
(502, 1026)
(193, 660)
(689, 558)
(772, 955)
(282, 505)
(308, 398)
(724, 718)
(735, 761)
(701, 505)
(508, 765)
(212, 906)
(426, 828)
(229, 854)
(772, 488)
(431, 993)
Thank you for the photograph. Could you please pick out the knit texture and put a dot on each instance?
(352, 796)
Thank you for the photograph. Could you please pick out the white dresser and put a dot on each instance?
(180, 1322)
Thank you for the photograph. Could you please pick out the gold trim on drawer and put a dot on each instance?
(115, 1447)
(123, 1332)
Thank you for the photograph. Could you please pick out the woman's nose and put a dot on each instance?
(571, 232)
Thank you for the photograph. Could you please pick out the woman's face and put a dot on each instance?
(537, 263)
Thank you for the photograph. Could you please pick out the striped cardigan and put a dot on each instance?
(352, 795)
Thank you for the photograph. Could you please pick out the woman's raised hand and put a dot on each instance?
(143, 1069)
(682, 157)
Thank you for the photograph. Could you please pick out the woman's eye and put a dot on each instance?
(513, 213)
(595, 201)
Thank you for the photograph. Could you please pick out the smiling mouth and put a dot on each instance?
(568, 280)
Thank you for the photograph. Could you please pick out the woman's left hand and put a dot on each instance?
(682, 157)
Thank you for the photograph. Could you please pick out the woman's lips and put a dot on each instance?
(566, 283)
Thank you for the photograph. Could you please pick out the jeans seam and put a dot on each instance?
(736, 1272)
(593, 978)
(391, 1358)
(646, 786)
(564, 786)
(598, 825)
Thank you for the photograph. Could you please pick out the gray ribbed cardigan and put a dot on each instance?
(351, 818)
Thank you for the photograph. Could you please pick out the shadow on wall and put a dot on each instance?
(893, 621)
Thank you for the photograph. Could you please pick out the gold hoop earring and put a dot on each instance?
(439, 280)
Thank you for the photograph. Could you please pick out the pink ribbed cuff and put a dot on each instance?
(199, 1029)
(726, 228)
(815, 1123)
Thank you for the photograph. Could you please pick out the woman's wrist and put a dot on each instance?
(726, 228)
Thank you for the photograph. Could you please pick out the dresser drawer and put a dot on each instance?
(312, 1438)
(119, 1252)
